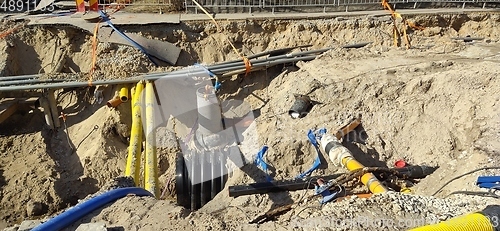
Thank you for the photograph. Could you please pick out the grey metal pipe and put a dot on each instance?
(264, 53)
(149, 77)
(240, 62)
(86, 84)
(215, 68)
(19, 77)
(30, 81)
(267, 63)
(281, 55)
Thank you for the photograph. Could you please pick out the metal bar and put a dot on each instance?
(19, 77)
(150, 77)
(29, 81)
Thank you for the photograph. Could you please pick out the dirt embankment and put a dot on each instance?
(434, 105)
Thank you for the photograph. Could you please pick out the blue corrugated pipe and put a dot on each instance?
(77, 212)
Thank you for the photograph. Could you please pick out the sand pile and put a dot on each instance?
(436, 106)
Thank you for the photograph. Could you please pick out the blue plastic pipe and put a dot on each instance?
(79, 211)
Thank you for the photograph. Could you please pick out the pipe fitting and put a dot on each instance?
(340, 155)
(300, 107)
(335, 151)
(124, 94)
(114, 102)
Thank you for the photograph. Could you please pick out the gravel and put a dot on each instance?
(388, 211)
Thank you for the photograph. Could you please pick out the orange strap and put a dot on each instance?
(10, 31)
(248, 65)
(63, 116)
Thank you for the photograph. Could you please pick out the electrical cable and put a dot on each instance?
(460, 176)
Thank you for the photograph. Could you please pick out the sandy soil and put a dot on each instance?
(436, 104)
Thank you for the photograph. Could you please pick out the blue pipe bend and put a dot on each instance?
(77, 212)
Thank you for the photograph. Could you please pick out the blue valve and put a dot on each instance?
(323, 189)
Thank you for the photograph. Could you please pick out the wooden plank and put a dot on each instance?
(7, 108)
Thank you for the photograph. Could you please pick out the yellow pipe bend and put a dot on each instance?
(474, 221)
(151, 169)
(133, 167)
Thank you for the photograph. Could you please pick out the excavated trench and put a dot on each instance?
(39, 172)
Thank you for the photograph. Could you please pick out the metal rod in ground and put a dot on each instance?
(149, 77)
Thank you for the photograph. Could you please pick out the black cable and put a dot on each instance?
(460, 176)
(490, 193)
(84, 138)
(476, 193)
(306, 187)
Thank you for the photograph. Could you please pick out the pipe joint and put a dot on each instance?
(336, 151)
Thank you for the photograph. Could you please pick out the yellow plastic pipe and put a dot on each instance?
(474, 221)
(340, 155)
(151, 169)
(367, 179)
(132, 93)
(124, 93)
(133, 167)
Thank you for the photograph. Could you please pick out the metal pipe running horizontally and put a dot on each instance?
(253, 59)
(19, 77)
(149, 77)
(272, 58)
(29, 81)
(239, 66)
